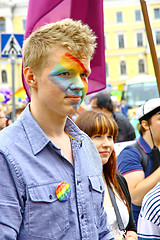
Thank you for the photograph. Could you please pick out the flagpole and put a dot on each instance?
(151, 42)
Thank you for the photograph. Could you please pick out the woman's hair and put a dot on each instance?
(93, 123)
(76, 37)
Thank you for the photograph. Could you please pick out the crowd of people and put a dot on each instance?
(6, 114)
(60, 176)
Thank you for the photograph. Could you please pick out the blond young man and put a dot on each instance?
(50, 176)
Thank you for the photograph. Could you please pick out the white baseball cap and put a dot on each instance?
(148, 109)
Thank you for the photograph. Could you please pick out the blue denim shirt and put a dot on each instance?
(31, 168)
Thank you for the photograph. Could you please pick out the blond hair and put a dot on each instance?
(78, 38)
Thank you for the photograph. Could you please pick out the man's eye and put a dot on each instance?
(83, 75)
(64, 74)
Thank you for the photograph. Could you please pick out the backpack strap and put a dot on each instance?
(144, 158)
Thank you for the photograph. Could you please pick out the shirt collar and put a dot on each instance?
(73, 131)
(36, 136)
(144, 145)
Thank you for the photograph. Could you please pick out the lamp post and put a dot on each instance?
(151, 42)
(12, 57)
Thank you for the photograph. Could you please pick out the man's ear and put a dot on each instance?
(144, 124)
(30, 77)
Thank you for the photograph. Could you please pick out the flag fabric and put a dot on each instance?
(41, 12)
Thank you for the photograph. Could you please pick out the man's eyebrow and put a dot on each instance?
(77, 60)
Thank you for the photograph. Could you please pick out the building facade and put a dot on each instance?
(126, 44)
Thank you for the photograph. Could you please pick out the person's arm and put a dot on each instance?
(10, 210)
(130, 166)
(139, 185)
(104, 229)
(131, 230)
(131, 235)
(131, 225)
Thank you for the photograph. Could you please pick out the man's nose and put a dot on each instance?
(78, 84)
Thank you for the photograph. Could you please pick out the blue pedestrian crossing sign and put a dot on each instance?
(11, 44)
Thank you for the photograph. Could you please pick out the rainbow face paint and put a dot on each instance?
(70, 76)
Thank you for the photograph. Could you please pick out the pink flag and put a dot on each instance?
(41, 12)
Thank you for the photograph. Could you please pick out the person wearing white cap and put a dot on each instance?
(140, 165)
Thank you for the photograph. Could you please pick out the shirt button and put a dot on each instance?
(50, 196)
(78, 182)
(82, 216)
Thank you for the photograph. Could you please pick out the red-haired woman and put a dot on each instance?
(103, 132)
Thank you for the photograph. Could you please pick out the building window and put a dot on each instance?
(159, 62)
(2, 25)
(121, 41)
(119, 17)
(105, 41)
(123, 68)
(107, 70)
(137, 15)
(141, 66)
(156, 13)
(24, 24)
(158, 37)
(4, 76)
(104, 19)
(139, 39)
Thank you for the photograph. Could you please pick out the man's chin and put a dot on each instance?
(72, 110)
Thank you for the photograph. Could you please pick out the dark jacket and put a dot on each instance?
(126, 131)
(124, 186)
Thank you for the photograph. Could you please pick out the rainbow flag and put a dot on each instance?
(41, 12)
(20, 95)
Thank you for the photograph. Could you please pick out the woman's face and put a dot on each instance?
(104, 144)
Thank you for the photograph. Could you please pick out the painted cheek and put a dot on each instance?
(84, 91)
(59, 82)
(66, 63)
(85, 86)
(69, 61)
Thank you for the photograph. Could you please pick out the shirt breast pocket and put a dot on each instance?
(48, 217)
(97, 192)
